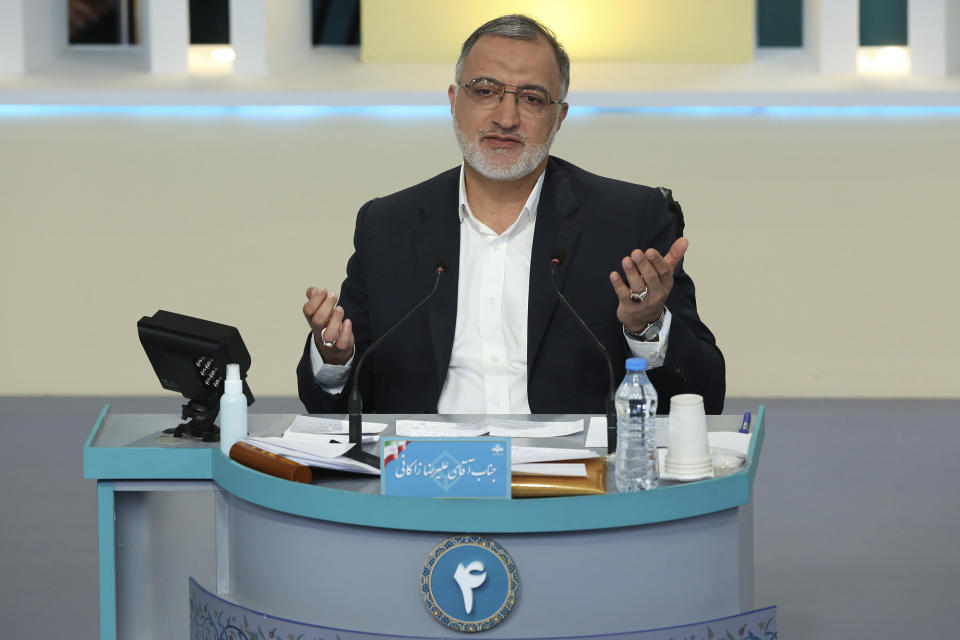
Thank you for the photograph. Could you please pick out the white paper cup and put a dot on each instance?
(688, 451)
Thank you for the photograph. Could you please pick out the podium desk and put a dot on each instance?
(338, 554)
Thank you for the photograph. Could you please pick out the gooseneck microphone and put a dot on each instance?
(355, 400)
(555, 261)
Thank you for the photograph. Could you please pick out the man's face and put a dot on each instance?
(507, 142)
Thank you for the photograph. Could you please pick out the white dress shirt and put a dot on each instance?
(488, 364)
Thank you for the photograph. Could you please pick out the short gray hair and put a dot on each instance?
(519, 27)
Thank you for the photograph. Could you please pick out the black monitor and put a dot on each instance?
(190, 356)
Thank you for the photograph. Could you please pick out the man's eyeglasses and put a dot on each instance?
(487, 94)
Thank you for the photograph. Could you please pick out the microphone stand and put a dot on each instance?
(611, 406)
(355, 400)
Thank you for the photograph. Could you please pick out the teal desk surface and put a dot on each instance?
(133, 447)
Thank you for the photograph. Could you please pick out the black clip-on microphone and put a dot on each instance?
(611, 406)
(355, 400)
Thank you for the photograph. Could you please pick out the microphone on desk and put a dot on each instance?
(355, 400)
(555, 261)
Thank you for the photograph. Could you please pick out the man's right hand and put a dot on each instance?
(332, 334)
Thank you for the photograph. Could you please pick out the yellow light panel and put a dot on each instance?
(698, 31)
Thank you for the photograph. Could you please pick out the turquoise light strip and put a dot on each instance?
(781, 111)
(155, 463)
(132, 463)
(573, 513)
(259, 112)
(96, 426)
(307, 112)
(106, 546)
(756, 442)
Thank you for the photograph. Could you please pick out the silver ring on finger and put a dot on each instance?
(639, 296)
(324, 340)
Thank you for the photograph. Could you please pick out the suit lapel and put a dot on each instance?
(557, 228)
(437, 239)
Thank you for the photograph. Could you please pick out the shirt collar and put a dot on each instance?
(529, 207)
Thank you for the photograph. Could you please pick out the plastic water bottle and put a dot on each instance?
(635, 464)
(233, 410)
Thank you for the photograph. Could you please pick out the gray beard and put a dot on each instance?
(485, 162)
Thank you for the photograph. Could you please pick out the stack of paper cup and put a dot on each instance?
(688, 454)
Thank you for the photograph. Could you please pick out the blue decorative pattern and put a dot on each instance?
(213, 618)
(445, 617)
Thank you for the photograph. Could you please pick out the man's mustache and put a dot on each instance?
(513, 134)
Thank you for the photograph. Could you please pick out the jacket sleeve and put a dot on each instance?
(693, 362)
(353, 299)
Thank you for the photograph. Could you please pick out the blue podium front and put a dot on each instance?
(338, 555)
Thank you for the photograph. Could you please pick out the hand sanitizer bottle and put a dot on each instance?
(233, 410)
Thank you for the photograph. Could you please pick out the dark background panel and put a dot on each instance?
(883, 22)
(779, 23)
(209, 21)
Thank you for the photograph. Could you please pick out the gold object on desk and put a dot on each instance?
(270, 463)
(527, 486)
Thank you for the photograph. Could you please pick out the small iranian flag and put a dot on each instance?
(392, 450)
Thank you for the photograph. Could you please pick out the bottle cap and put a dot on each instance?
(636, 364)
(233, 384)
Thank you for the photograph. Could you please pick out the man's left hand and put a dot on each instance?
(650, 276)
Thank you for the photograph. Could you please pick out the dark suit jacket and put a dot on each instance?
(595, 221)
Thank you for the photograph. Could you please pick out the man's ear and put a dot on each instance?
(563, 114)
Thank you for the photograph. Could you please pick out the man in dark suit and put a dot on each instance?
(495, 339)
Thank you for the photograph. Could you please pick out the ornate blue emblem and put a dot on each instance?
(469, 583)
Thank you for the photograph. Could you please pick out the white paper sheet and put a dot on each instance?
(343, 437)
(523, 455)
(527, 429)
(314, 453)
(565, 469)
(437, 429)
(310, 426)
(733, 440)
(597, 432)
(309, 446)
